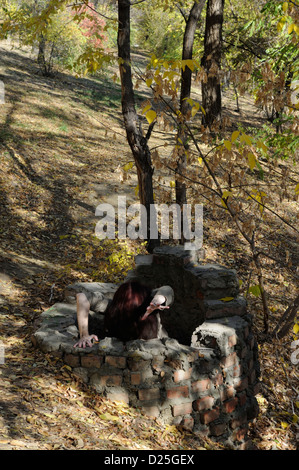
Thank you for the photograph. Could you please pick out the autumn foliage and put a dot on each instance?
(91, 25)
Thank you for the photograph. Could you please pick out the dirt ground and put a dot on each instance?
(62, 143)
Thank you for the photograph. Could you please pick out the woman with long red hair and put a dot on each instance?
(132, 313)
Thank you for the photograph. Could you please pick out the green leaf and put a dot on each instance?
(255, 290)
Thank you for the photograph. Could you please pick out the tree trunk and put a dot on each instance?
(138, 143)
(211, 61)
(41, 57)
(191, 24)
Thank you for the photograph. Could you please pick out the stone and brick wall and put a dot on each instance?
(204, 377)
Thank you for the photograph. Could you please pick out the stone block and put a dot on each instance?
(218, 309)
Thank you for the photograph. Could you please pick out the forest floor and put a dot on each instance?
(62, 144)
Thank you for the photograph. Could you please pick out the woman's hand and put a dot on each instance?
(86, 341)
(156, 304)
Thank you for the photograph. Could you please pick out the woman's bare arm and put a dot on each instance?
(162, 295)
(83, 307)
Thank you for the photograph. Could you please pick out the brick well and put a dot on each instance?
(203, 377)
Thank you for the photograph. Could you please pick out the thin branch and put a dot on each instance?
(273, 212)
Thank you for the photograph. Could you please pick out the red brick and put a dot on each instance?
(178, 392)
(209, 416)
(91, 361)
(229, 360)
(187, 423)
(228, 392)
(116, 361)
(237, 371)
(110, 380)
(182, 409)
(72, 360)
(230, 405)
(135, 378)
(217, 429)
(204, 403)
(218, 380)
(201, 385)
(149, 394)
(180, 375)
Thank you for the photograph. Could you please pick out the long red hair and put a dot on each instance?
(123, 315)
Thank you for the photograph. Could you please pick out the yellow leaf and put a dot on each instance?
(235, 135)
(149, 81)
(151, 116)
(297, 189)
(190, 64)
(262, 146)
(245, 138)
(251, 161)
(136, 190)
(128, 166)
(172, 184)
(200, 161)
(227, 299)
(226, 193)
(223, 203)
(146, 109)
(296, 29)
(291, 28)
(281, 23)
(195, 109)
(109, 417)
(228, 144)
(285, 6)
(296, 328)
(284, 425)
